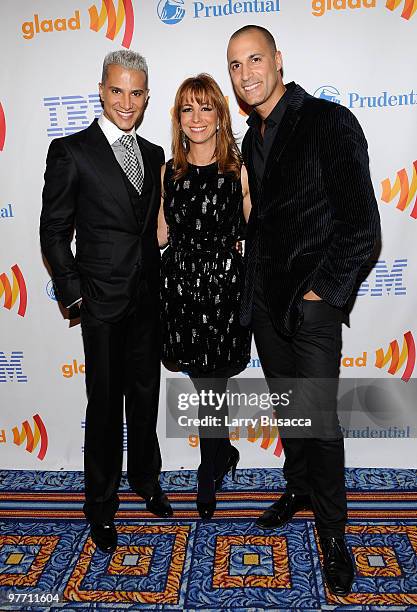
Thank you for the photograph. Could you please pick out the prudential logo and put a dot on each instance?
(328, 92)
(359, 99)
(173, 11)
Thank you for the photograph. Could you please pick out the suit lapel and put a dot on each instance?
(285, 130)
(249, 153)
(107, 168)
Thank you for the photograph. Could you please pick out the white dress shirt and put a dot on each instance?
(113, 133)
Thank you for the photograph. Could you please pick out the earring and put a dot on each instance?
(218, 127)
(183, 139)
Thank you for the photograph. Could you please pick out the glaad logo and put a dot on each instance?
(266, 434)
(397, 359)
(356, 100)
(69, 369)
(409, 8)
(2, 128)
(11, 369)
(70, 114)
(30, 28)
(319, 7)
(171, 11)
(383, 281)
(269, 435)
(15, 290)
(403, 188)
(360, 361)
(34, 436)
(114, 20)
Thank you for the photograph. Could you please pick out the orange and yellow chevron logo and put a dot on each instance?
(410, 7)
(13, 290)
(2, 128)
(269, 435)
(114, 19)
(397, 359)
(407, 191)
(34, 436)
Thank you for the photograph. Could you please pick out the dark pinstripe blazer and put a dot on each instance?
(314, 218)
(84, 188)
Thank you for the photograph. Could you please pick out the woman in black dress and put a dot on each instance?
(202, 218)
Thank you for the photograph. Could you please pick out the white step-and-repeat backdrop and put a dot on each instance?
(360, 53)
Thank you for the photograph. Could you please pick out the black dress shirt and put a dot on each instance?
(262, 145)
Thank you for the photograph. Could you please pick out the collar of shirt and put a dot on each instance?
(111, 131)
(277, 113)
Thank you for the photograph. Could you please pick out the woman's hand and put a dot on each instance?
(310, 295)
(163, 231)
(247, 205)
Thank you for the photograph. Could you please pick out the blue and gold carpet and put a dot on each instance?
(48, 562)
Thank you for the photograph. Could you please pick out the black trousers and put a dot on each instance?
(313, 466)
(122, 362)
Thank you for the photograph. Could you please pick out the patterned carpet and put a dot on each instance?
(48, 562)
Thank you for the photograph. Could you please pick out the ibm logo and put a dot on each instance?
(11, 369)
(70, 114)
(383, 281)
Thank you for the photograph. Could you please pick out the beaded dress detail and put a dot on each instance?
(202, 273)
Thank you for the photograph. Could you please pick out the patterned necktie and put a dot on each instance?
(131, 165)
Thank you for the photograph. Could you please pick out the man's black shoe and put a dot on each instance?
(337, 565)
(159, 505)
(283, 510)
(104, 536)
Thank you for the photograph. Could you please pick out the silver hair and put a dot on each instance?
(126, 58)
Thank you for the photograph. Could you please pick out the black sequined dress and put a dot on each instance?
(202, 273)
